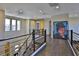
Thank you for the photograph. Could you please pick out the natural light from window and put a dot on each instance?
(7, 24)
(13, 25)
(18, 25)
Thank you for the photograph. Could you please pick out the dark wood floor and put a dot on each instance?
(56, 47)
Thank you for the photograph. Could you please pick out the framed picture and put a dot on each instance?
(60, 29)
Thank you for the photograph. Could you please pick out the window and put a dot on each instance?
(7, 24)
(13, 25)
(18, 25)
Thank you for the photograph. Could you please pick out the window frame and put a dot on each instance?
(11, 24)
(18, 26)
(15, 25)
(5, 25)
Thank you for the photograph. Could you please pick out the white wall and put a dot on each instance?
(46, 25)
(73, 22)
(74, 25)
(62, 17)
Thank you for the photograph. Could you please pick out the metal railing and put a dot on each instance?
(38, 39)
(10, 46)
(23, 45)
(74, 41)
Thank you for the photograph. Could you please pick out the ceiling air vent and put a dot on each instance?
(53, 4)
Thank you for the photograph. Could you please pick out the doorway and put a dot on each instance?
(37, 25)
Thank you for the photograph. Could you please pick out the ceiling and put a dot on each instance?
(32, 10)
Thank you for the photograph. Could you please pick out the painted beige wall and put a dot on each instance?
(9, 34)
(23, 30)
(43, 24)
(27, 26)
(2, 13)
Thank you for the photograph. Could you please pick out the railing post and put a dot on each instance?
(42, 31)
(45, 35)
(26, 44)
(33, 38)
(7, 49)
(71, 37)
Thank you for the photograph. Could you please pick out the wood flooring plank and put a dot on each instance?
(56, 47)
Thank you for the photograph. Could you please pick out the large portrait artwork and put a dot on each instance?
(60, 29)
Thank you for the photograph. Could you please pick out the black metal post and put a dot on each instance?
(33, 38)
(26, 44)
(42, 31)
(71, 37)
(45, 35)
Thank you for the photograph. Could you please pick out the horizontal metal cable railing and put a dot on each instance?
(74, 41)
(38, 38)
(23, 45)
(10, 46)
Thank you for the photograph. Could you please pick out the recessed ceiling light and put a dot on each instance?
(41, 11)
(57, 7)
(20, 11)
